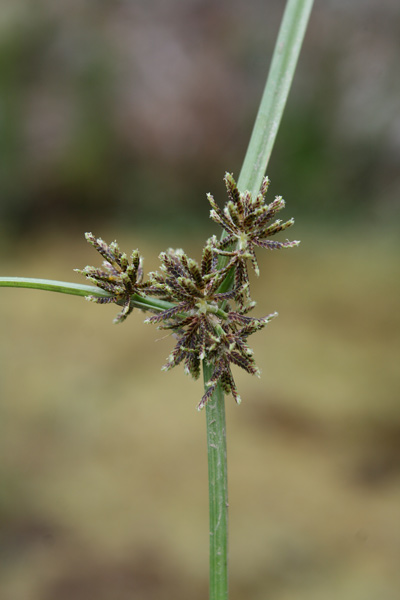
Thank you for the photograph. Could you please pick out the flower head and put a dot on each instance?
(205, 305)
(247, 223)
(119, 277)
(193, 290)
(203, 330)
(230, 347)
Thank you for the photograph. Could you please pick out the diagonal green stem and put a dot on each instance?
(80, 289)
(281, 73)
(268, 119)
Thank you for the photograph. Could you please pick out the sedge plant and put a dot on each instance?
(206, 304)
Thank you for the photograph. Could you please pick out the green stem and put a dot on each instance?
(217, 490)
(79, 289)
(268, 119)
(281, 73)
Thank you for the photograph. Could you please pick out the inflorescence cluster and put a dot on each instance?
(204, 305)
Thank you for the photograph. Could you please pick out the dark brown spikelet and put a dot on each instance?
(231, 188)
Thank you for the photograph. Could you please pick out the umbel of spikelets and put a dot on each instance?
(120, 277)
(248, 223)
(204, 305)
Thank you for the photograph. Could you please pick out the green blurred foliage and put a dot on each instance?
(117, 112)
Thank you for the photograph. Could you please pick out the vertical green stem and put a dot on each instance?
(269, 116)
(218, 491)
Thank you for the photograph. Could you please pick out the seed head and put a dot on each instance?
(247, 223)
(118, 276)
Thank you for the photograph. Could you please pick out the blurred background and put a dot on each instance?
(117, 118)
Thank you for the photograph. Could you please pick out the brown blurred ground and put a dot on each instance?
(102, 457)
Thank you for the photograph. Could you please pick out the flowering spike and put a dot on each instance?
(117, 276)
(205, 305)
(264, 187)
(206, 260)
(231, 188)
